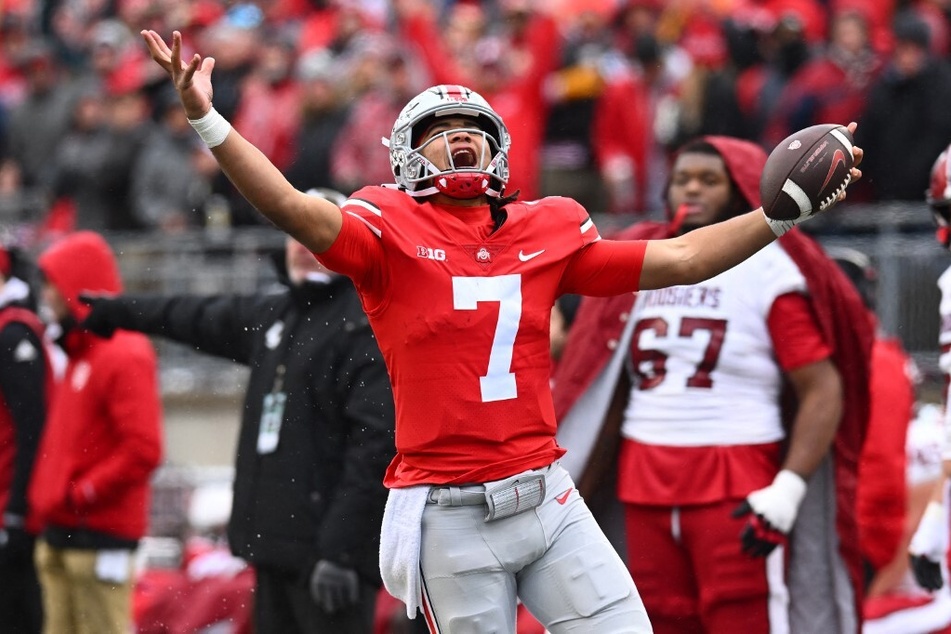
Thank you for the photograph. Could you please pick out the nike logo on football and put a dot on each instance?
(525, 257)
(837, 157)
(561, 499)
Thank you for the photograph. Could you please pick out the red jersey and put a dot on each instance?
(462, 316)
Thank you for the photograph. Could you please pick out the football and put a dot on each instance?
(806, 172)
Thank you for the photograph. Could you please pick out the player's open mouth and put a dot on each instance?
(464, 157)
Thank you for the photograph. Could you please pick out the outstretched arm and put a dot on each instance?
(708, 251)
(312, 221)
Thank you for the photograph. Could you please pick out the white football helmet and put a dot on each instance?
(418, 175)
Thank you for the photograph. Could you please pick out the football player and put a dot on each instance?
(738, 402)
(458, 279)
(928, 550)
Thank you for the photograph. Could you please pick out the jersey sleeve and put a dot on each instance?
(795, 333)
(605, 268)
(358, 250)
(601, 268)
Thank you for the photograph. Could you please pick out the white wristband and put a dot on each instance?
(212, 128)
(780, 227)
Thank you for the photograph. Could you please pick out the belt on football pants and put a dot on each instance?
(503, 498)
(457, 496)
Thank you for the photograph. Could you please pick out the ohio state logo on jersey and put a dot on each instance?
(483, 254)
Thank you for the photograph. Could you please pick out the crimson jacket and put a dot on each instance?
(103, 436)
(842, 319)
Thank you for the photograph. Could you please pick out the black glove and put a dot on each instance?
(16, 545)
(771, 513)
(929, 545)
(927, 572)
(333, 587)
(105, 316)
(758, 537)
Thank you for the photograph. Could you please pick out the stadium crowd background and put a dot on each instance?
(596, 93)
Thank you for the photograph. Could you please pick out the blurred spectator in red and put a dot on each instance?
(831, 88)
(905, 123)
(233, 42)
(115, 63)
(783, 48)
(171, 177)
(15, 39)
(268, 110)
(334, 24)
(100, 447)
(356, 157)
(937, 15)
(39, 122)
(878, 16)
(93, 163)
(633, 20)
(622, 134)
(636, 112)
(718, 49)
(511, 68)
(568, 166)
(323, 114)
(811, 14)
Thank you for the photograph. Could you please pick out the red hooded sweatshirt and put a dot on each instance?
(103, 436)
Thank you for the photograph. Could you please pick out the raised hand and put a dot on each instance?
(191, 80)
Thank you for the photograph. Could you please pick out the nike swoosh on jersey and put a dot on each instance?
(525, 257)
(561, 499)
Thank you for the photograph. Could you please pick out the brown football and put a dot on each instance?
(806, 172)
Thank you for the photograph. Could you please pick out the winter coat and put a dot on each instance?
(318, 494)
(103, 436)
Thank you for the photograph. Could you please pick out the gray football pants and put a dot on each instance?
(555, 558)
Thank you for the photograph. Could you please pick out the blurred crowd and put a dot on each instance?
(596, 94)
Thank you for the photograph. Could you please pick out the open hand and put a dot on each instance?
(191, 80)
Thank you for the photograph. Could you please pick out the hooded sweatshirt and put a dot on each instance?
(103, 437)
(842, 320)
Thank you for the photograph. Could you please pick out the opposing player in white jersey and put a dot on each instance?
(928, 549)
(458, 281)
(716, 450)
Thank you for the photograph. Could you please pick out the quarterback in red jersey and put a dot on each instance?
(458, 281)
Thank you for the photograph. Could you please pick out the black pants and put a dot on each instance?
(283, 605)
(21, 605)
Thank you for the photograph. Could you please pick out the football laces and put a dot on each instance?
(834, 196)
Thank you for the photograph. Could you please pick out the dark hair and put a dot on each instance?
(568, 305)
(496, 208)
(738, 203)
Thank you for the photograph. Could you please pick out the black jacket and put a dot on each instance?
(319, 494)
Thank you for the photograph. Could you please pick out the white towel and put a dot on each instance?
(399, 545)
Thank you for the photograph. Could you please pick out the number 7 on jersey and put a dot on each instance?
(498, 384)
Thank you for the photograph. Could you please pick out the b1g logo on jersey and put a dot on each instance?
(431, 254)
